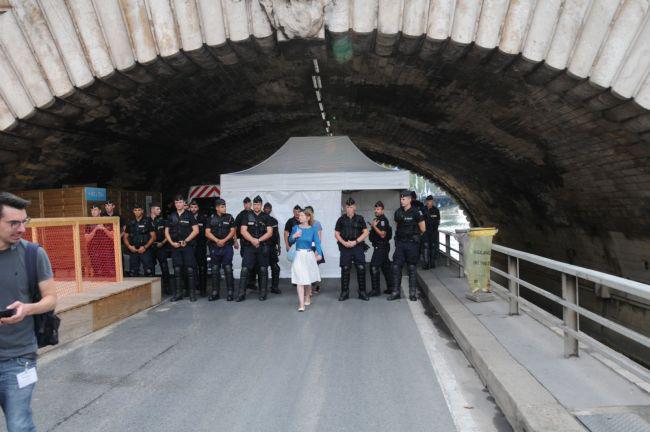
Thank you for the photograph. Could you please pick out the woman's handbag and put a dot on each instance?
(291, 255)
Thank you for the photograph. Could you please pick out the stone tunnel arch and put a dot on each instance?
(534, 114)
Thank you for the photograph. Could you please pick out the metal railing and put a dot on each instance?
(571, 276)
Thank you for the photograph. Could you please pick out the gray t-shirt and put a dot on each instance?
(17, 340)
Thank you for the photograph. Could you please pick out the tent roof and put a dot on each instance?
(316, 163)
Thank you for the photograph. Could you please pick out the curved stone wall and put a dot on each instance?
(533, 114)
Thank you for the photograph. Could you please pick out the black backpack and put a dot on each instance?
(46, 325)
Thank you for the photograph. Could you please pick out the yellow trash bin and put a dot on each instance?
(477, 253)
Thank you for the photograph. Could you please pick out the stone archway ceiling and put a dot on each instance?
(54, 49)
(533, 113)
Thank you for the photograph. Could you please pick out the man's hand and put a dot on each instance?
(256, 242)
(375, 222)
(220, 243)
(176, 245)
(142, 250)
(183, 243)
(22, 310)
(133, 249)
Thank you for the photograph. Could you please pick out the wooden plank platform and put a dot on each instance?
(102, 304)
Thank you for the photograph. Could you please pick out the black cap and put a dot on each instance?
(297, 207)
(154, 204)
(379, 204)
(109, 202)
(405, 193)
(268, 205)
(429, 198)
(219, 202)
(137, 206)
(193, 202)
(247, 200)
(350, 202)
(257, 199)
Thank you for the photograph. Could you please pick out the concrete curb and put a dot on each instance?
(528, 406)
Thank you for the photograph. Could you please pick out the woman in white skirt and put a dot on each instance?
(304, 269)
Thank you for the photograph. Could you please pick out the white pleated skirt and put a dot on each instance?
(304, 269)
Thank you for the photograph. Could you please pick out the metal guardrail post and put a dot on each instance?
(448, 248)
(461, 252)
(570, 317)
(513, 286)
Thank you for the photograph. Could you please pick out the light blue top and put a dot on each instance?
(318, 226)
(309, 236)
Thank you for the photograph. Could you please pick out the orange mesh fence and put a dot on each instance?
(83, 251)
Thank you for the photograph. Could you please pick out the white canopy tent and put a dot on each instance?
(310, 171)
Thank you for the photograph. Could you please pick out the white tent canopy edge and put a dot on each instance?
(310, 171)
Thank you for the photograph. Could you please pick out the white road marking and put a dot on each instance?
(456, 402)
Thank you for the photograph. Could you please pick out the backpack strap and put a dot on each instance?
(30, 266)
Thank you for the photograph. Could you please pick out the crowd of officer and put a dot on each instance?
(188, 236)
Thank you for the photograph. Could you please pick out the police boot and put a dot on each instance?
(230, 281)
(203, 281)
(164, 269)
(275, 279)
(191, 283)
(386, 269)
(426, 257)
(178, 284)
(263, 273)
(413, 282)
(243, 283)
(361, 282)
(397, 283)
(216, 283)
(374, 281)
(345, 283)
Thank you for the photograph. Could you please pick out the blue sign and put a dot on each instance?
(95, 194)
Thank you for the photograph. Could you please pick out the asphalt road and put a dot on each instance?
(263, 366)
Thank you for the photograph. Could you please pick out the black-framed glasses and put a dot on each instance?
(14, 224)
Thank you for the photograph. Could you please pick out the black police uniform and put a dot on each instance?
(351, 229)
(407, 249)
(139, 233)
(160, 254)
(238, 220)
(274, 255)
(180, 227)
(430, 237)
(221, 257)
(255, 260)
(201, 252)
(380, 261)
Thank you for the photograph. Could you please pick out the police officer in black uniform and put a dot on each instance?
(220, 231)
(274, 250)
(350, 232)
(430, 237)
(256, 233)
(200, 248)
(238, 218)
(160, 249)
(288, 226)
(180, 230)
(138, 238)
(380, 235)
(410, 226)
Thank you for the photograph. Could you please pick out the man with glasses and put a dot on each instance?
(17, 339)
